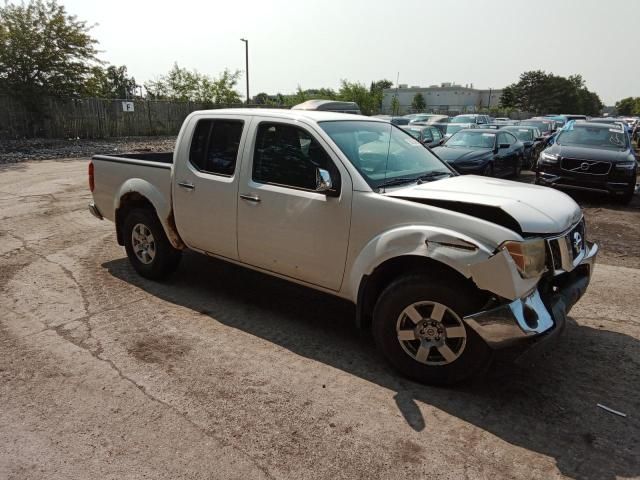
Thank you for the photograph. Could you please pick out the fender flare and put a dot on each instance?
(163, 208)
(453, 249)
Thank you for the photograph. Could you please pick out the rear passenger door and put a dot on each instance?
(284, 224)
(205, 189)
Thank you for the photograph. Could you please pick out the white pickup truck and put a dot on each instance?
(447, 270)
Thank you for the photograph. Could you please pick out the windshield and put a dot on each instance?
(463, 119)
(471, 139)
(381, 152)
(414, 132)
(594, 137)
(543, 126)
(524, 134)
(451, 128)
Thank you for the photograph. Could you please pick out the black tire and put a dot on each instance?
(474, 356)
(518, 169)
(165, 259)
(627, 197)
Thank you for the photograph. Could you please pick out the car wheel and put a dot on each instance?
(627, 197)
(418, 326)
(488, 170)
(149, 251)
(518, 168)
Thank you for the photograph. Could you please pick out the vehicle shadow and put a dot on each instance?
(549, 408)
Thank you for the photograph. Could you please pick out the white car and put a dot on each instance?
(446, 270)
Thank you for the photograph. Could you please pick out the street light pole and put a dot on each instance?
(246, 56)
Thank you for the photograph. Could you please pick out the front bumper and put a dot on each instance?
(601, 183)
(538, 317)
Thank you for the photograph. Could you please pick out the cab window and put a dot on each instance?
(289, 156)
(215, 144)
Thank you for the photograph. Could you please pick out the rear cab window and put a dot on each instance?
(215, 144)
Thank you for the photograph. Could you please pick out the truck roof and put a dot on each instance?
(314, 115)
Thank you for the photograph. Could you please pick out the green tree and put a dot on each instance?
(357, 92)
(395, 105)
(418, 104)
(182, 84)
(628, 106)
(377, 93)
(110, 82)
(540, 92)
(43, 51)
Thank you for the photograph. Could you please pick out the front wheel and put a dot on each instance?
(418, 326)
(147, 246)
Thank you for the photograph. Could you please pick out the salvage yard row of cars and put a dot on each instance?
(569, 152)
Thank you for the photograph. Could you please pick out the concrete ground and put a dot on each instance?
(226, 373)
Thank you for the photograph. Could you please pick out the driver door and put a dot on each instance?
(284, 224)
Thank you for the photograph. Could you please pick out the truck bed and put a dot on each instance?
(148, 174)
(157, 157)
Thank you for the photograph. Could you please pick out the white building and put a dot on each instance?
(446, 98)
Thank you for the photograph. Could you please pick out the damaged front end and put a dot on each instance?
(533, 311)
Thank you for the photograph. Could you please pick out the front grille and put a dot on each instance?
(575, 240)
(564, 250)
(590, 167)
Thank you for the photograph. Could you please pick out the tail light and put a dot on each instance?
(92, 183)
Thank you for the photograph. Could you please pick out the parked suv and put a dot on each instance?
(590, 156)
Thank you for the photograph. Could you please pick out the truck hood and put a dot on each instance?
(524, 208)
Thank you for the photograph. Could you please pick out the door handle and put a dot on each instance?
(250, 198)
(187, 185)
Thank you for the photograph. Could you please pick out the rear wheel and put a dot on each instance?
(147, 246)
(488, 170)
(418, 326)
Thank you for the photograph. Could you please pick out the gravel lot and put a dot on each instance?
(226, 373)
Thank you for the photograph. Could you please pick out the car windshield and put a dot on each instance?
(594, 137)
(463, 119)
(414, 132)
(452, 128)
(524, 134)
(382, 153)
(543, 126)
(471, 139)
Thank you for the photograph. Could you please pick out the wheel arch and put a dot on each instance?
(372, 285)
(138, 193)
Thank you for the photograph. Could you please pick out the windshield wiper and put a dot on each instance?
(432, 176)
(397, 181)
(421, 179)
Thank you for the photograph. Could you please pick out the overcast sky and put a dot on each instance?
(315, 43)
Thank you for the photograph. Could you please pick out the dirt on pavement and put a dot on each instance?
(222, 372)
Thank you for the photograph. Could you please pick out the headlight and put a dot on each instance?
(625, 166)
(548, 158)
(529, 256)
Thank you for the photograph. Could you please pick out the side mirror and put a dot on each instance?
(504, 145)
(323, 180)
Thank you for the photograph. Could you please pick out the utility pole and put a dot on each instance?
(246, 57)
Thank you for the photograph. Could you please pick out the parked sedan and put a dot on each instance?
(590, 156)
(532, 140)
(546, 126)
(425, 134)
(452, 128)
(483, 152)
(439, 121)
